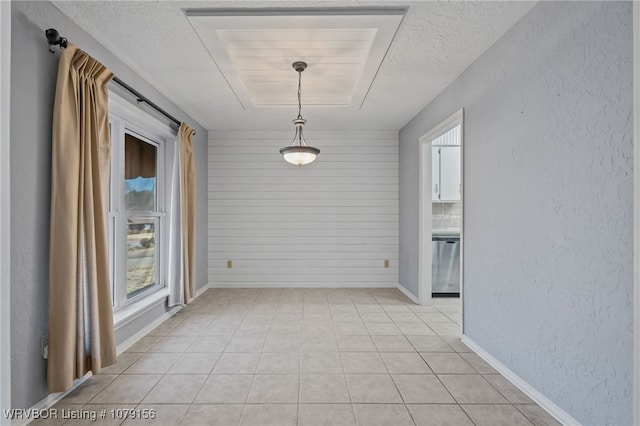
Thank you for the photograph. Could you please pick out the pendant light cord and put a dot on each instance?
(298, 138)
(299, 94)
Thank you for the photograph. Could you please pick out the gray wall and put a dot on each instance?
(33, 76)
(548, 134)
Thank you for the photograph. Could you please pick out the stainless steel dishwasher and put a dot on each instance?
(445, 261)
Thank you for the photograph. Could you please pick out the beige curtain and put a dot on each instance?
(81, 334)
(188, 209)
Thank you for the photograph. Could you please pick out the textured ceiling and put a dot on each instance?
(436, 41)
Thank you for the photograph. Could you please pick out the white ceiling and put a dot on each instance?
(435, 42)
(254, 52)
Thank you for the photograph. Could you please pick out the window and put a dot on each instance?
(138, 222)
(142, 214)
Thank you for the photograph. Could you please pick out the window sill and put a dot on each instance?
(130, 312)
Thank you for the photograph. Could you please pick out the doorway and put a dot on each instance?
(441, 218)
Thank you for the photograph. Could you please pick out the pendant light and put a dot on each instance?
(299, 153)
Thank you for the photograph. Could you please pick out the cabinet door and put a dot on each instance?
(450, 173)
(435, 173)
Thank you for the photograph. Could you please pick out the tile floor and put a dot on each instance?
(306, 357)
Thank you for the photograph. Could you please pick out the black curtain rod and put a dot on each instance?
(142, 98)
(54, 39)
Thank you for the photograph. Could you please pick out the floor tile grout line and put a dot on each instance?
(253, 376)
(205, 381)
(524, 414)
(379, 300)
(299, 369)
(450, 394)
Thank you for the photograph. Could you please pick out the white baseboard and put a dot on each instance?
(137, 309)
(53, 398)
(302, 285)
(50, 400)
(146, 329)
(407, 293)
(201, 290)
(545, 403)
(162, 318)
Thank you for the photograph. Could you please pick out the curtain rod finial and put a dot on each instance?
(54, 39)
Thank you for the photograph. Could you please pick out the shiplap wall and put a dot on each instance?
(328, 224)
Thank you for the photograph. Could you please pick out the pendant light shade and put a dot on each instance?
(299, 153)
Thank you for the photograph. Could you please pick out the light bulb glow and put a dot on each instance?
(299, 155)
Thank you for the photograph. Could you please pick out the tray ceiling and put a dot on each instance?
(254, 51)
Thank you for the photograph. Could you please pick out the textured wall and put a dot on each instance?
(33, 76)
(330, 223)
(548, 131)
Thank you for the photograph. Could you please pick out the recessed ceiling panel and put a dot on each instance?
(254, 52)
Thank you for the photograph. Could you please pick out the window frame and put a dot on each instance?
(125, 117)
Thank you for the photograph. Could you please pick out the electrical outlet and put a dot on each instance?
(44, 344)
(229, 264)
(386, 263)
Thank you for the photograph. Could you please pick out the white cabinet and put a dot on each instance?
(435, 173)
(450, 173)
(445, 169)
